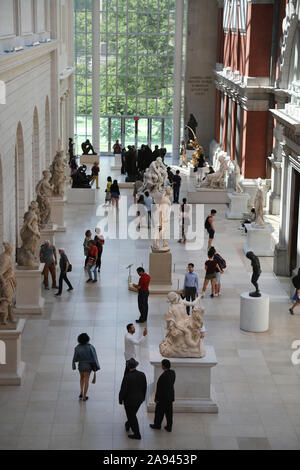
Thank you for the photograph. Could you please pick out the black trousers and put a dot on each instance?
(164, 408)
(176, 190)
(190, 294)
(63, 277)
(98, 262)
(143, 304)
(131, 412)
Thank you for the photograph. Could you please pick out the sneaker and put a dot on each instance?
(291, 311)
(212, 295)
(89, 280)
(57, 295)
(95, 280)
(71, 288)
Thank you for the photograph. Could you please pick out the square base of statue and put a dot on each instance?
(48, 234)
(259, 240)
(89, 159)
(254, 313)
(160, 268)
(58, 213)
(29, 300)
(238, 205)
(193, 389)
(208, 196)
(117, 162)
(125, 185)
(11, 366)
(81, 196)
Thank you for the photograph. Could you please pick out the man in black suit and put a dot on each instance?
(164, 397)
(132, 394)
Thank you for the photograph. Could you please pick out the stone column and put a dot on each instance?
(96, 75)
(179, 14)
(229, 129)
(238, 132)
(280, 266)
(222, 118)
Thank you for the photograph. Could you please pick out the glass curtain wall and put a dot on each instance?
(136, 71)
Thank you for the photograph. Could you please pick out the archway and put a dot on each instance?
(19, 182)
(35, 150)
(47, 134)
(1, 207)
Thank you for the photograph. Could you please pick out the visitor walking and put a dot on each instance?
(49, 257)
(132, 394)
(201, 165)
(92, 261)
(99, 242)
(65, 267)
(115, 194)
(148, 201)
(222, 263)
(184, 220)
(138, 184)
(183, 154)
(86, 356)
(107, 191)
(140, 210)
(123, 161)
(95, 175)
(296, 296)
(210, 227)
(130, 344)
(211, 267)
(143, 294)
(88, 237)
(176, 187)
(191, 285)
(164, 397)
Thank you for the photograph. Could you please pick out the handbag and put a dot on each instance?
(70, 268)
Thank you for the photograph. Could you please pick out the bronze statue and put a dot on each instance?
(256, 273)
(198, 149)
(87, 148)
(192, 125)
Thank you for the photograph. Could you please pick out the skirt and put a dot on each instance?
(296, 298)
(115, 195)
(210, 276)
(85, 367)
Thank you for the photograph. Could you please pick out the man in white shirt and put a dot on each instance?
(131, 343)
(148, 201)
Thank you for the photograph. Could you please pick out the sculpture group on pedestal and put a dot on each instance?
(164, 211)
(87, 148)
(44, 191)
(30, 236)
(155, 177)
(183, 336)
(57, 169)
(217, 180)
(7, 287)
(80, 178)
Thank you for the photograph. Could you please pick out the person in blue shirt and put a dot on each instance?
(86, 356)
(148, 201)
(191, 285)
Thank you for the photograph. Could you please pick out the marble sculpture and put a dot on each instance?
(164, 211)
(30, 236)
(259, 205)
(44, 190)
(7, 286)
(57, 169)
(155, 177)
(217, 180)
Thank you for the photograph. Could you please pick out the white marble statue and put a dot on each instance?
(44, 190)
(7, 287)
(57, 169)
(217, 180)
(155, 177)
(237, 178)
(259, 206)
(183, 335)
(30, 236)
(164, 211)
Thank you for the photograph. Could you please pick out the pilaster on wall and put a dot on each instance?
(253, 157)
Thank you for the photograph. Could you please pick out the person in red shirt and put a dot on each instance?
(92, 262)
(143, 289)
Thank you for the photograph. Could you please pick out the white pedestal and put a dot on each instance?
(193, 390)
(117, 165)
(81, 196)
(259, 240)
(89, 159)
(160, 268)
(28, 292)
(208, 196)
(58, 213)
(48, 234)
(12, 368)
(254, 313)
(238, 205)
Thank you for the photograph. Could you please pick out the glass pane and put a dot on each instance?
(156, 132)
(142, 131)
(168, 135)
(129, 132)
(103, 135)
(115, 130)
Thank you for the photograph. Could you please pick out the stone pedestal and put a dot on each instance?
(117, 163)
(259, 240)
(160, 268)
(89, 159)
(193, 390)
(254, 313)
(28, 292)
(48, 234)
(11, 366)
(81, 196)
(208, 196)
(58, 213)
(238, 205)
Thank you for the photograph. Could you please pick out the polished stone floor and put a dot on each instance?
(257, 387)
